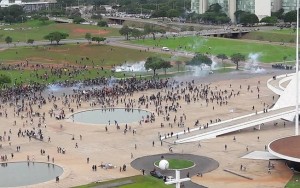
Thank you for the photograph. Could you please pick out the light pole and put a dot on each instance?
(297, 71)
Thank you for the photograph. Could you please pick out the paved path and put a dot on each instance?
(203, 165)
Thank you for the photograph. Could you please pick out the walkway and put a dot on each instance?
(236, 124)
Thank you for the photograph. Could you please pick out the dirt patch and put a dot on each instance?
(92, 31)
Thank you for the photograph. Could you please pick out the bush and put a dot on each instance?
(78, 20)
(102, 23)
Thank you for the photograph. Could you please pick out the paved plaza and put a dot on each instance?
(88, 145)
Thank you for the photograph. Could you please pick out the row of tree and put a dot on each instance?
(137, 34)
(154, 63)
(199, 59)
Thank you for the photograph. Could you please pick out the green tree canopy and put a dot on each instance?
(98, 39)
(249, 19)
(125, 31)
(30, 41)
(214, 14)
(198, 59)
(154, 63)
(102, 23)
(8, 40)
(290, 16)
(56, 36)
(4, 79)
(279, 14)
(151, 29)
(270, 20)
(236, 58)
(88, 36)
(166, 65)
(78, 20)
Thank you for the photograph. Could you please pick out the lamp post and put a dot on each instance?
(297, 76)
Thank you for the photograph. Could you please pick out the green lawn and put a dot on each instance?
(139, 182)
(178, 163)
(98, 56)
(269, 53)
(101, 55)
(284, 35)
(37, 30)
(294, 182)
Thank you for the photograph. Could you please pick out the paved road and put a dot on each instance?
(203, 165)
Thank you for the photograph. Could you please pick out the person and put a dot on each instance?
(57, 179)
(143, 172)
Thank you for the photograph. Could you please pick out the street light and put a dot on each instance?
(297, 71)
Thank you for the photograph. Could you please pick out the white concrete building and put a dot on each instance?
(262, 8)
(27, 4)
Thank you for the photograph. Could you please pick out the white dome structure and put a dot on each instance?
(163, 164)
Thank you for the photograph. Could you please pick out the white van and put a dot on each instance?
(165, 49)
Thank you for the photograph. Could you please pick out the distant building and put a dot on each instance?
(261, 8)
(276, 5)
(289, 5)
(29, 5)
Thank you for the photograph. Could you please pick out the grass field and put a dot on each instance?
(294, 182)
(73, 54)
(138, 182)
(37, 30)
(268, 53)
(101, 55)
(178, 163)
(284, 35)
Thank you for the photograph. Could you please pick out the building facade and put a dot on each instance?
(261, 8)
(289, 5)
(28, 5)
(276, 5)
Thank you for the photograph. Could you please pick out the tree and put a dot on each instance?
(56, 36)
(270, 20)
(214, 14)
(166, 65)
(150, 29)
(279, 14)
(153, 63)
(88, 36)
(136, 33)
(30, 41)
(290, 16)
(222, 57)
(249, 19)
(284, 59)
(4, 79)
(236, 58)
(125, 31)
(8, 40)
(198, 59)
(98, 39)
(78, 20)
(102, 23)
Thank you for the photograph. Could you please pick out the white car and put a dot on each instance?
(169, 178)
(165, 49)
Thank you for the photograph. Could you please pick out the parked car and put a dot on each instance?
(165, 49)
(169, 178)
(156, 174)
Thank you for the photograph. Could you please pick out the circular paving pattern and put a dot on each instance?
(202, 164)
